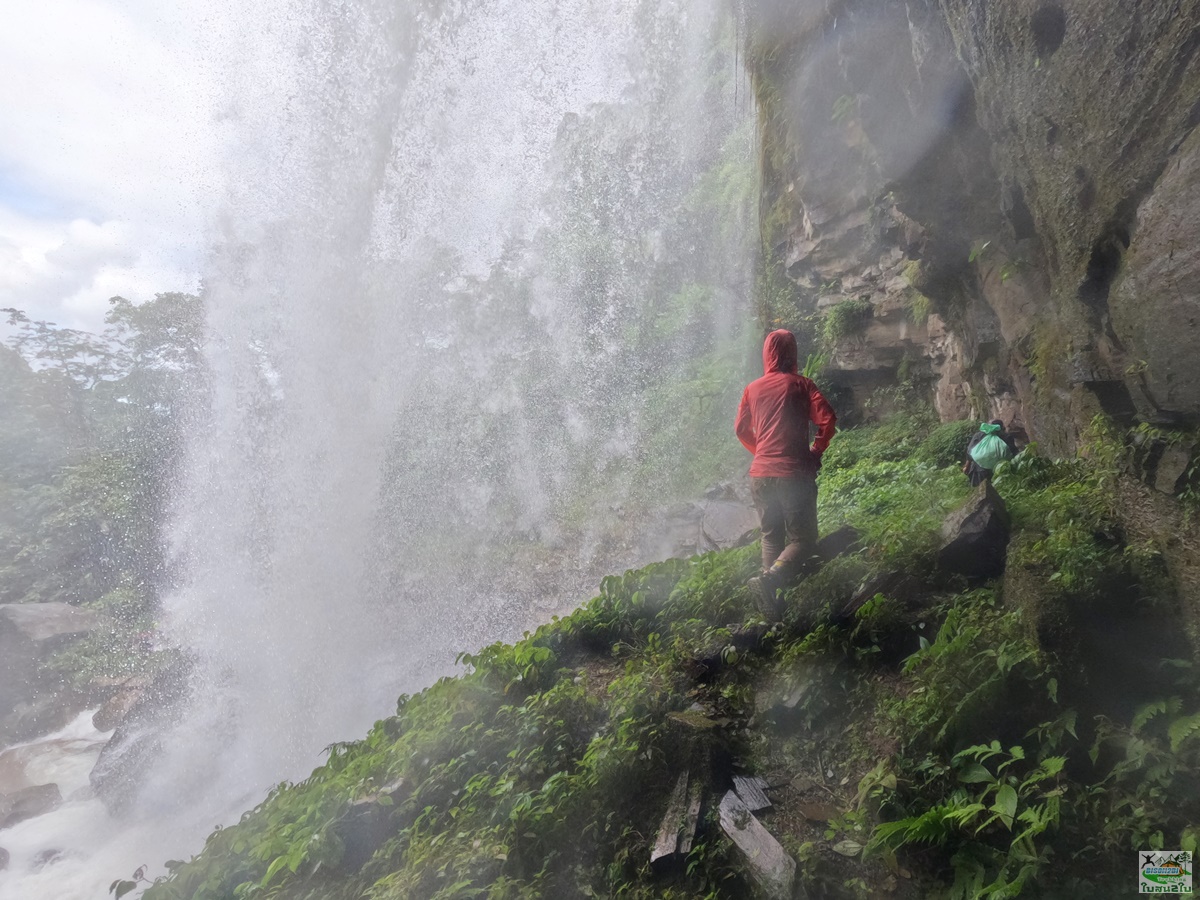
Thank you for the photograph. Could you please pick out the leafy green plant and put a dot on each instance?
(994, 818)
(946, 444)
(920, 307)
(845, 319)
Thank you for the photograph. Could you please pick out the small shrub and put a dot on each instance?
(847, 318)
(920, 307)
(946, 445)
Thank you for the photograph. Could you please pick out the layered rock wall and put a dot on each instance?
(1004, 195)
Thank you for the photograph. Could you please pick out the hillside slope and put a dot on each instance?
(920, 732)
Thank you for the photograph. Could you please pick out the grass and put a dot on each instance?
(965, 749)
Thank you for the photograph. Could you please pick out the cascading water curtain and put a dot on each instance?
(479, 308)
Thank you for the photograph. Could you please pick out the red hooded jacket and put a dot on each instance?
(773, 417)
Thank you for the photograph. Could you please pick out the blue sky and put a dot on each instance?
(110, 151)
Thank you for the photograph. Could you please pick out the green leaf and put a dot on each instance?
(120, 888)
(279, 863)
(974, 773)
(1006, 805)
(1052, 765)
(848, 847)
(1182, 730)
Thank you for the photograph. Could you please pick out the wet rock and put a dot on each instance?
(114, 710)
(1172, 466)
(724, 518)
(976, 536)
(45, 857)
(3, 859)
(28, 803)
(1154, 304)
(32, 701)
(838, 543)
(137, 741)
(719, 654)
(38, 623)
(33, 763)
(894, 585)
(369, 822)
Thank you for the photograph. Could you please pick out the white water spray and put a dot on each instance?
(446, 285)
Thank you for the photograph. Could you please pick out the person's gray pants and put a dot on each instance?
(787, 511)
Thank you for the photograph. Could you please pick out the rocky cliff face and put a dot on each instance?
(994, 203)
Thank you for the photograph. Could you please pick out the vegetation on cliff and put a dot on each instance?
(921, 734)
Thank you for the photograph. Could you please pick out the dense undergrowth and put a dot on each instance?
(1023, 736)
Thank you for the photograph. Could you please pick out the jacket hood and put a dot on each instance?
(779, 352)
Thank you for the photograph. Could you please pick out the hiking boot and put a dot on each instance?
(765, 590)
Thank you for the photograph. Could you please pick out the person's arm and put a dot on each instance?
(968, 461)
(743, 426)
(822, 415)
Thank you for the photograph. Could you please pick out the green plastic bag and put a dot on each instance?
(991, 451)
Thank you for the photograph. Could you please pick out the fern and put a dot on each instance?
(1146, 712)
(935, 826)
(1182, 730)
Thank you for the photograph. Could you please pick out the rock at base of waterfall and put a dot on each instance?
(33, 700)
(137, 740)
(722, 519)
(770, 866)
(118, 706)
(28, 803)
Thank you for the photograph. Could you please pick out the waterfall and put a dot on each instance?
(480, 280)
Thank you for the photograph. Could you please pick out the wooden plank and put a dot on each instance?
(692, 822)
(769, 864)
(667, 842)
(751, 788)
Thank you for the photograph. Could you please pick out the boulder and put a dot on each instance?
(975, 537)
(137, 740)
(721, 519)
(114, 710)
(1171, 469)
(838, 543)
(33, 702)
(27, 803)
(369, 822)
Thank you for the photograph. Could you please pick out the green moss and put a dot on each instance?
(920, 307)
(848, 318)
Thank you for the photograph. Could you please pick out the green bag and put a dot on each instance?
(991, 451)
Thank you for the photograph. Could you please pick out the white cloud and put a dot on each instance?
(110, 158)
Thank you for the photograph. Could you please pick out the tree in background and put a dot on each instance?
(91, 431)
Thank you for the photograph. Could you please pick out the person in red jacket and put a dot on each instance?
(773, 423)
